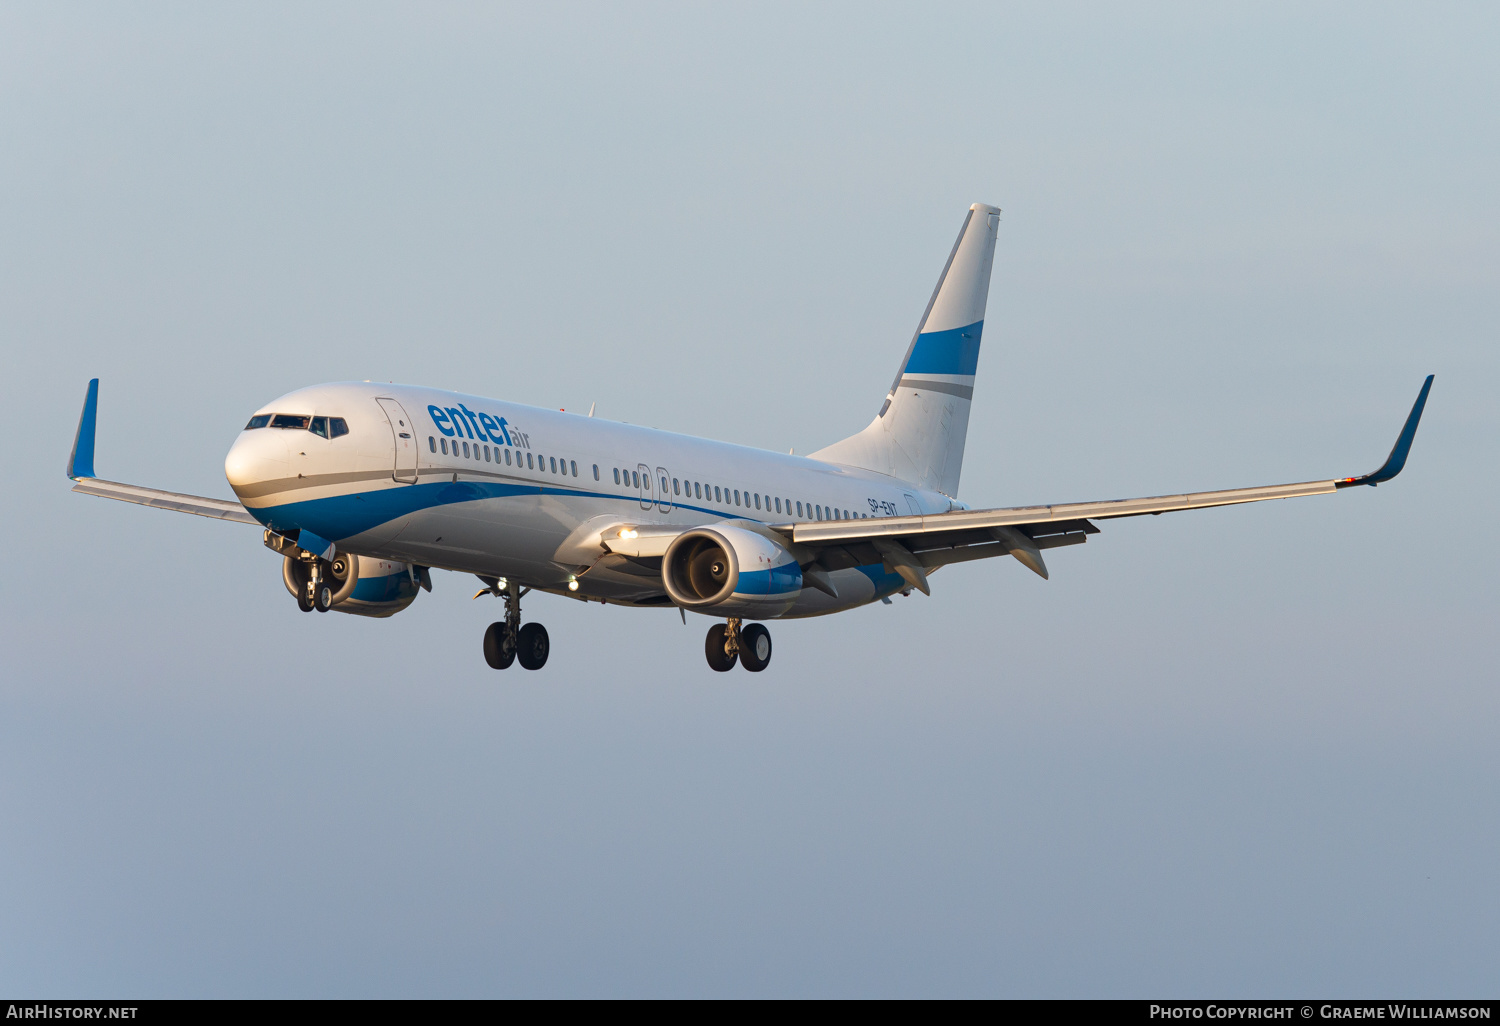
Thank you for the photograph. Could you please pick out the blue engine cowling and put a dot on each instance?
(361, 584)
(730, 571)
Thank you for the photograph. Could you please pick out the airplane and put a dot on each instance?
(363, 488)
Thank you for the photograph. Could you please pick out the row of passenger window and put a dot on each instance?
(323, 427)
(533, 461)
(726, 496)
(632, 479)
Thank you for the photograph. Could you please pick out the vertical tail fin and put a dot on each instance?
(918, 435)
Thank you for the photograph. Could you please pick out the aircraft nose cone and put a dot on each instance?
(256, 457)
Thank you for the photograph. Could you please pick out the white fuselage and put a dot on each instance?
(503, 490)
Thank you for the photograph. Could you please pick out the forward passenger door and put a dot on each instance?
(404, 437)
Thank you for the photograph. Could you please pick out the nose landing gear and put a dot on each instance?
(508, 640)
(729, 643)
(322, 594)
(312, 577)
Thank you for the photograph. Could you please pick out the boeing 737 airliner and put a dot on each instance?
(361, 488)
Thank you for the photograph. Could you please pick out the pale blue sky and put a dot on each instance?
(1235, 752)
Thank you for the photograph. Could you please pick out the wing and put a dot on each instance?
(81, 471)
(912, 545)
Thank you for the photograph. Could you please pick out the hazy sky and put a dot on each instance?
(1225, 753)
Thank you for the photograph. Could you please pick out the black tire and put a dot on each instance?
(713, 647)
(532, 646)
(755, 648)
(304, 601)
(497, 652)
(323, 598)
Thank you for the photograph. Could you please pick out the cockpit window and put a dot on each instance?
(323, 427)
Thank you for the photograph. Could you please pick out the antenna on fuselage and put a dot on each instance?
(591, 408)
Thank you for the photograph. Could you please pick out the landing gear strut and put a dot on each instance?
(507, 641)
(322, 594)
(729, 643)
(311, 577)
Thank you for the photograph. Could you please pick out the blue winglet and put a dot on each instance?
(81, 460)
(1397, 459)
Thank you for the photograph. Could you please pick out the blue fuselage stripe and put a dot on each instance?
(343, 516)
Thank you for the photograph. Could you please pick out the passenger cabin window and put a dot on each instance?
(528, 462)
(258, 422)
(676, 487)
(596, 471)
(697, 490)
(574, 465)
(617, 475)
(507, 457)
(444, 443)
(717, 496)
(432, 443)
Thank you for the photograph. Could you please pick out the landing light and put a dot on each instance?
(573, 585)
(629, 532)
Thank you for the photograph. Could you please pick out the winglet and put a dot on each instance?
(1397, 459)
(81, 460)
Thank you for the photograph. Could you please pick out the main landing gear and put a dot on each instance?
(508, 641)
(728, 643)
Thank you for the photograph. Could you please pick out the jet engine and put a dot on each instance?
(360, 584)
(730, 571)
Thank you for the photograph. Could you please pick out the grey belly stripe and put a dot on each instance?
(928, 385)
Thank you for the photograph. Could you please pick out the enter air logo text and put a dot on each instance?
(462, 421)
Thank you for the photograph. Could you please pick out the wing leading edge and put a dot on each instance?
(936, 539)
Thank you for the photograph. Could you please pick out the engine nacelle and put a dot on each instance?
(731, 571)
(361, 584)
